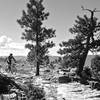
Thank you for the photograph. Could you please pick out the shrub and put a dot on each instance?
(95, 66)
(86, 73)
(64, 79)
(35, 93)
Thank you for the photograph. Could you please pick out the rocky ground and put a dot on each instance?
(77, 91)
(55, 90)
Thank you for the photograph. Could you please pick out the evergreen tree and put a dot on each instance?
(39, 36)
(86, 39)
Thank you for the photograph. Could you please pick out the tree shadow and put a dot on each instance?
(97, 96)
(77, 91)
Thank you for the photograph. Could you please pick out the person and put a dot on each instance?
(10, 60)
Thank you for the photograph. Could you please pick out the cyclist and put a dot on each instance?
(10, 60)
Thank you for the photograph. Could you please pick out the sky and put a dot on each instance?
(62, 17)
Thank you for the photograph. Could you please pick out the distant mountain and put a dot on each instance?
(52, 58)
(87, 63)
(20, 57)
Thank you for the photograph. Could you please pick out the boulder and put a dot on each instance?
(95, 85)
(84, 81)
(64, 79)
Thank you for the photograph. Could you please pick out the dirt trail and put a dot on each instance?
(76, 91)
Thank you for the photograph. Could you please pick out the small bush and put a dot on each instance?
(95, 66)
(35, 93)
(85, 75)
(87, 72)
(64, 79)
(95, 85)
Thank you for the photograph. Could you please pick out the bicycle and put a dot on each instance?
(11, 68)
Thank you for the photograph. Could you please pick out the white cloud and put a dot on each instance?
(6, 52)
(15, 45)
(7, 46)
(4, 40)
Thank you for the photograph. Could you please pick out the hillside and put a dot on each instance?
(87, 63)
(52, 58)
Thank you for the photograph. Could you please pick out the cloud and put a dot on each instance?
(16, 52)
(15, 45)
(4, 40)
(7, 45)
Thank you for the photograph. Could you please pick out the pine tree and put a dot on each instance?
(39, 36)
(86, 39)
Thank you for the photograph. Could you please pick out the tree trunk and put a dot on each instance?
(37, 47)
(82, 62)
(37, 69)
(37, 53)
(83, 57)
